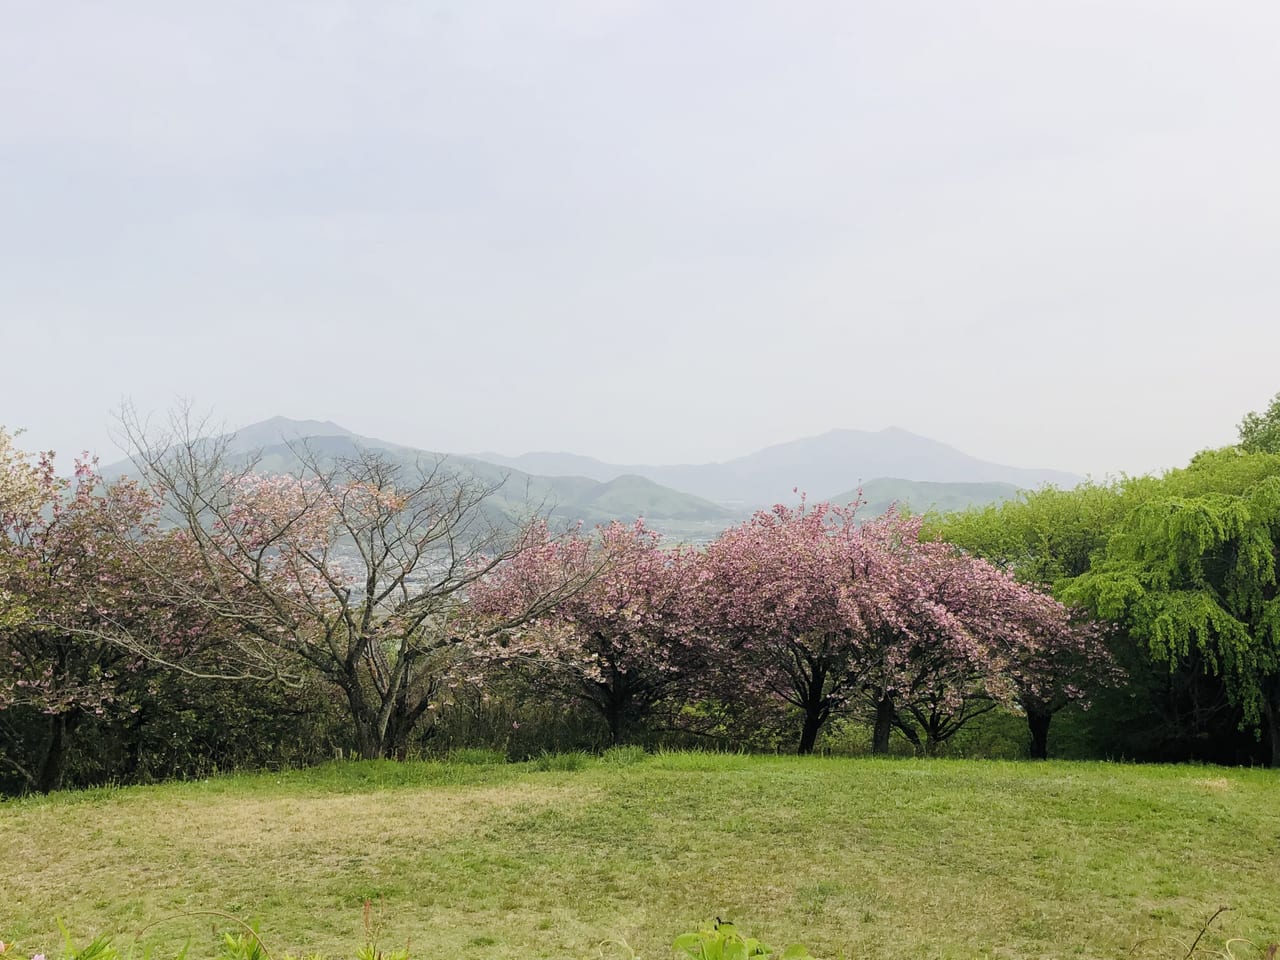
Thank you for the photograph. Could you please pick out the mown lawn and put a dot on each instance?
(869, 858)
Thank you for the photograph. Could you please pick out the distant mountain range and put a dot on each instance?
(690, 501)
(834, 461)
(277, 443)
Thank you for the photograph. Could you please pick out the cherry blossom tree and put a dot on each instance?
(803, 606)
(358, 566)
(831, 616)
(623, 644)
(21, 482)
(1049, 656)
(80, 606)
(975, 638)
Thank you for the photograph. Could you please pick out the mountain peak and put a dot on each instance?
(277, 430)
(288, 427)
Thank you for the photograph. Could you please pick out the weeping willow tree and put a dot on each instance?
(1191, 573)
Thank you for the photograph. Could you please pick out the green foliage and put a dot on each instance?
(1045, 536)
(1190, 572)
(170, 726)
(99, 948)
(720, 940)
(243, 946)
(508, 717)
(1260, 432)
(1184, 565)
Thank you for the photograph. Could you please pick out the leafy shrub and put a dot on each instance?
(175, 727)
(507, 717)
(721, 940)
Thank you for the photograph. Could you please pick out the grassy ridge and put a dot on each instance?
(869, 857)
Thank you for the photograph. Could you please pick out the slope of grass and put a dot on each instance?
(868, 857)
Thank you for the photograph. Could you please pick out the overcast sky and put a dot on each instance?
(1047, 233)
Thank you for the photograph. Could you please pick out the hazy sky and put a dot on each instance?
(1045, 232)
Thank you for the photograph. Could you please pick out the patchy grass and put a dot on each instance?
(864, 857)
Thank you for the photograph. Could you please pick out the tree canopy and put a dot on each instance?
(1182, 564)
(1260, 432)
(1191, 573)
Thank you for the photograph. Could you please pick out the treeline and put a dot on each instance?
(208, 617)
(1183, 569)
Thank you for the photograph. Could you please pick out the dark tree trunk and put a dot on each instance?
(809, 732)
(623, 703)
(395, 745)
(368, 742)
(618, 714)
(884, 725)
(1038, 724)
(406, 720)
(911, 735)
(1271, 714)
(53, 765)
(137, 743)
(376, 740)
(810, 683)
(613, 717)
(364, 721)
(399, 725)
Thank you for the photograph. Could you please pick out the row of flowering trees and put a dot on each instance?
(386, 583)
(799, 612)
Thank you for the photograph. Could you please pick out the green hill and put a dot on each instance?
(631, 496)
(921, 496)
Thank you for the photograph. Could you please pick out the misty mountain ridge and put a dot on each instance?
(684, 500)
(835, 460)
(279, 445)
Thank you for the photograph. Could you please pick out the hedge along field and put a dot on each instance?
(868, 857)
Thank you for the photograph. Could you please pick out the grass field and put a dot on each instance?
(869, 858)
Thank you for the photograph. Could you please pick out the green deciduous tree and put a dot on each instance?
(1191, 573)
(1043, 536)
(1260, 432)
